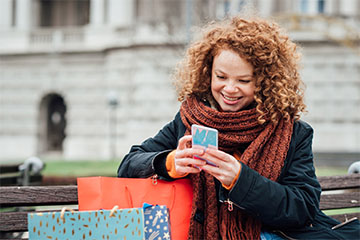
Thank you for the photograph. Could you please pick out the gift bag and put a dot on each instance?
(104, 192)
(101, 224)
(156, 222)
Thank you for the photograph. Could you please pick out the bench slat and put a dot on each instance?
(39, 195)
(13, 221)
(339, 182)
(17, 221)
(14, 180)
(7, 181)
(9, 168)
(343, 200)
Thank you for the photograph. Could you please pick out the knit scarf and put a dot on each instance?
(266, 148)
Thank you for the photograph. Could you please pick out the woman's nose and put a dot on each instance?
(230, 87)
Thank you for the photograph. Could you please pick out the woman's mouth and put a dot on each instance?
(230, 100)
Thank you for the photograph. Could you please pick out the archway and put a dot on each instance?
(52, 123)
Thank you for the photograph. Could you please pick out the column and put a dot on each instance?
(307, 6)
(120, 13)
(312, 7)
(330, 7)
(97, 10)
(23, 14)
(6, 14)
(265, 7)
(237, 6)
(348, 7)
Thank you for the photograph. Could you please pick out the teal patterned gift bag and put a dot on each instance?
(101, 224)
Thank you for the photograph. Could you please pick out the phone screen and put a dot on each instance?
(204, 137)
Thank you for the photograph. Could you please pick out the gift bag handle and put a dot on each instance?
(115, 208)
(173, 197)
(129, 198)
(130, 201)
(62, 213)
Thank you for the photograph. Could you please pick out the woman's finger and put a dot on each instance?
(212, 160)
(188, 152)
(213, 170)
(187, 169)
(183, 141)
(214, 153)
(189, 162)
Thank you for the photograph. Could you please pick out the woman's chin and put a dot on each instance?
(230, 108)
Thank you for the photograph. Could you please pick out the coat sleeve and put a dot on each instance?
(149, 158)
(294, 199)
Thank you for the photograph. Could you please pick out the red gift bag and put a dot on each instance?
(95, 193)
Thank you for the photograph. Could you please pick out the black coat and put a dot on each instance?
(289, 206)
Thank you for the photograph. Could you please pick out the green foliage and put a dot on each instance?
(81, 168)
(330, 171)
(341, 211)
(109, 168)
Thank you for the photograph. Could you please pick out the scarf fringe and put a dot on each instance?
(238, 226)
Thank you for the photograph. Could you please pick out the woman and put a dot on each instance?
(241, 77)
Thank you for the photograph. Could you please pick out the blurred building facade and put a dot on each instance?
(86, 79)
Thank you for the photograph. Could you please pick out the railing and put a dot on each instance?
(56, 37)
(337, 29)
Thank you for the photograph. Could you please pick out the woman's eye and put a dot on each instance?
(244, 81)
(221, 77)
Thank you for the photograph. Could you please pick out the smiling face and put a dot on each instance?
(232, 83)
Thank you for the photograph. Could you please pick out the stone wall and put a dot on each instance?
(332, 76)
(133, 54)
(140, 75)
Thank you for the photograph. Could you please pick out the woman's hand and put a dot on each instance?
(226, 169)
(184, 161)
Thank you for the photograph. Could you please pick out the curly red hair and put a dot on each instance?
(274, 57)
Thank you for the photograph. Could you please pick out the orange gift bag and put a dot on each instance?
(95, 193)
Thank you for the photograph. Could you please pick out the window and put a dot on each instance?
(321, 6)
(63, 13)
(312, 6)
(13, 15)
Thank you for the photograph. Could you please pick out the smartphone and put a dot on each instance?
(204, 137)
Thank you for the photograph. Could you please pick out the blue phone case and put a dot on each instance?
(204, 137)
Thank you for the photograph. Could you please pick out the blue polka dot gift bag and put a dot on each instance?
(150, 223)
(100, 224)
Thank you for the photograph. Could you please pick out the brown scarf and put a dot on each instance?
(266, 149)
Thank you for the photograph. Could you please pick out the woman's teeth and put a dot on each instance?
(231, 98)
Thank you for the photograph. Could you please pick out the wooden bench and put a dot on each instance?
(339, 192)
(25, 174)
